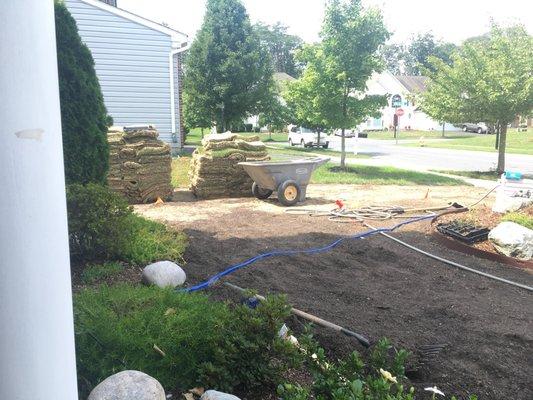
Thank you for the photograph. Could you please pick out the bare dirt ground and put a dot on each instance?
(373, 286)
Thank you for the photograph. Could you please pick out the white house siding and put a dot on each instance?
(132, 65)
(386, 84)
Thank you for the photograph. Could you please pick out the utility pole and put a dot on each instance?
(37, 359)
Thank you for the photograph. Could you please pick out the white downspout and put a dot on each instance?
(172, 91)
(37, 359)
(172, 96)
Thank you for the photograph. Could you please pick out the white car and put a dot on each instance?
(307, 137)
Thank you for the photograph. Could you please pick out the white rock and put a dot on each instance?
(128, 385)
(214, 395)
(164, 274)
(513, 240)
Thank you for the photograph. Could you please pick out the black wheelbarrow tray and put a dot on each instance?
(288, 178)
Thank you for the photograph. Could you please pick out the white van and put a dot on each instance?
(307, 137)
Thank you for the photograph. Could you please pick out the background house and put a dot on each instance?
(138, 64)
(407, 87)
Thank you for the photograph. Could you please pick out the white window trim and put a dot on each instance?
(178, 38)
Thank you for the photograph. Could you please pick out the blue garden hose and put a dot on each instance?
(213, 279)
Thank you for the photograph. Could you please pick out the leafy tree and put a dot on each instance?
(411, 58)
(302, 95)
(490, 80)
(275, 115)
(193, 116)
(84, 118)
(228, 73)
(394, 56)
(331, 91)
(281, 46)
(421, 48)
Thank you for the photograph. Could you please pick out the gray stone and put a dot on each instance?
(128, 385)
(163, 274)
(513, 240)
(214, 395)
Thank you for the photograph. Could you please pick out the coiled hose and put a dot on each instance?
(213, 279)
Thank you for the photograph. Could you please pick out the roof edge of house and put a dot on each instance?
(178, 38)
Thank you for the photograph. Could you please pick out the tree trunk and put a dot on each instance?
(202, 133)
(501, 148)
(343, 150)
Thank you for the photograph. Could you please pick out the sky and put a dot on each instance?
(448, 20)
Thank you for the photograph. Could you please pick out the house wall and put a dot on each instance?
(413, 118)
(132, 65)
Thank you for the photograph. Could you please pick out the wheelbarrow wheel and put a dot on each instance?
(288, 193)
(260, 192)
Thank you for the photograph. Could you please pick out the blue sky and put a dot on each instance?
(450, 20)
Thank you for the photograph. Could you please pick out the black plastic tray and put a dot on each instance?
(464, 232)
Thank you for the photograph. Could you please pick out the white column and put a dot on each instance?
(37, 360)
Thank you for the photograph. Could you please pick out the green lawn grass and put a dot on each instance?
(402, 134)
(194, 137)
(487, 175)
(517, 142)
(364, 175)
(308, 152)
(180, 170)
(331, 173)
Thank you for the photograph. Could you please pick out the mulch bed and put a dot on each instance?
(481, 216)
(380, 289)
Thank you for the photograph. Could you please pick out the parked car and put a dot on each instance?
(348, 133)
(307, 137)
(480, 127)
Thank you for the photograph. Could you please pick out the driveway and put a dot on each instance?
(385, 152)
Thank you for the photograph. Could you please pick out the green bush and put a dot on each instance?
(84, 118)
(381, 377)
(102, 226)
(351, 378)
(181, 339)
(152, 241)
(519, 218)
(98, 222)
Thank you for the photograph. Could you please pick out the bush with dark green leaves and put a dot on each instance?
(98, 222)
(102, 227)
(381, 376)
(84, 118)
(183, 340)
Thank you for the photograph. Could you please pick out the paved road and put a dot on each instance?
(384, 152)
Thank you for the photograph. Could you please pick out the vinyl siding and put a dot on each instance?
(132, 65)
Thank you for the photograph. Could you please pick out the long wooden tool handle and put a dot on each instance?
(310, 317)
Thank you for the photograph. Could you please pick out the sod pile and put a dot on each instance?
(214, 170)
(139, 164)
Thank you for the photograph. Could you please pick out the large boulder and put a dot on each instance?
(513, 240)
(163, 274)
(214, 395)
(128, 385)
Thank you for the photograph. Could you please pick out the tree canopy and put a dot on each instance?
(490, 80)
(411, 58)
(84, 118)
(228, 73)
(331, 90)
(281, 46)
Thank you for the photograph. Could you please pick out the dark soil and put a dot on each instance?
(381, 289)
